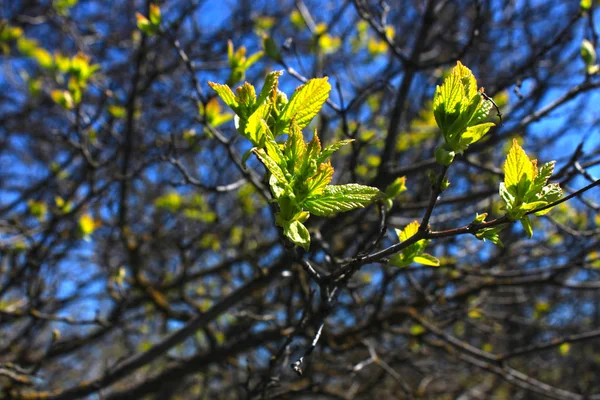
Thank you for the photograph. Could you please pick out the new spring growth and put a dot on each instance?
(459, 109)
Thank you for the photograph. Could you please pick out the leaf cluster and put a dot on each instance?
(525, 187)
(300, 172)
(239, 63)
(459, 109)
(414, 252)
(150, 25)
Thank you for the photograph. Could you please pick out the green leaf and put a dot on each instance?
(329, 150)
(527, 226)
(254, 129)
(473, 134)
(305, 103)
(507, 197)
(585, 5)
(271, 49)
(518, 171)
(294, 147)
(246, 97)
(444, 155)
(297, 233)
(87, 225)
(455, 96)
(317, 184)
(490, 234)
(340, 198)
(453, 133)
(271, 166)
(550, 194)
(588, 53)
(526, 207)
(427, 259)
(252, 59)
(479, 218)
(544, 173)
(154, 15)
(271, 146)
(481, 113)
(225, 94)
(408, 231)
(277, 188)
(145, 25)
(396, 187)
(271, 82)
(398, 260)
(409, 254)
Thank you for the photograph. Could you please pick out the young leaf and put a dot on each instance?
(396, 187)
(479, 218)
(588, 53)
(246, 97)
(544, 173)
(253, 129)
(473, 133)
(271, 49)
(458, 107)
(225, 94)
(271, 146)
(271, 165)
(305, 103)
(426, 259)
(490, 234)
(408, 231)
(507, 197)
(154, 15)
(297, 233)
(524, 189)
(329, 150)
(271, 82)
(340, 198)
(453, 97)
(317, 184)
(519, 171)
(294, 147)
(527, 226)
(549, 194)
(409, 254)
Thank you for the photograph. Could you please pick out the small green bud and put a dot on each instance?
(588, 53)
(444, 156)
(271, 49)
(585, 5)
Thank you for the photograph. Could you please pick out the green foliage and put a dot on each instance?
(192, 207)
(213, 113)
(588, 54)
(459, 108)
(490, 234)
(299, 172)
(239, 63)
(397, 187)
(38, 209)
(414, 252)
(117, 111)
(305, 103)
(150, 25)
(585, 5)
(525, 187)
(63, 98)
(271, 49)
(63, 6)
(87, 226)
